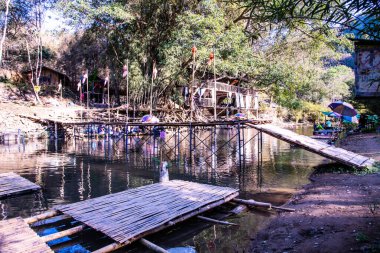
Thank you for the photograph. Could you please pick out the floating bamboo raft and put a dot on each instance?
(337, 154)
(129, 215)
(13, 184)
(16, 236)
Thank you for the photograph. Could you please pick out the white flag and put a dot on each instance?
(154, 72)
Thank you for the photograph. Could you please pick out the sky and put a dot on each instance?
(54, 21)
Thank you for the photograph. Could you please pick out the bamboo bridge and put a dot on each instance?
(193, 128)
(329, 151)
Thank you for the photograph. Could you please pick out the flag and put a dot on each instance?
(79, 85)
(84, 77)
(154, 71)
(234, 82)
(210, 58)
(194, 50)
(125, 71)
(106, 81)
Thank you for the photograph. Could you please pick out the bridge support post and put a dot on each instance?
(191, 141)
(126, 138)
(259, 158)
(55, 131)
(241, 144)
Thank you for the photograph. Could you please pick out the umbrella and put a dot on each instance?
(334, 115)
(240, 115)
(343, 108)
(149, 119)
(350, 119)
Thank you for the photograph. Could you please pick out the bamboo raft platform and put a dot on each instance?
(13, 184)
(329, 151)
(16, 236)
(129, 215)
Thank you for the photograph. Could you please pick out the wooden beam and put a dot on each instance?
(216, 221)
(41, 216)
(251, 202)
(71, 231)
(152, 246)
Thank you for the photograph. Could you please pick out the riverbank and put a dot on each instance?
(334, 213)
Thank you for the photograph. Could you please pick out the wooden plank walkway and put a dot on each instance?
(13, 184)
(129, 215)
(16, 236)
(337, 154)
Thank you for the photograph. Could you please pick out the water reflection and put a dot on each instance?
(76, 170)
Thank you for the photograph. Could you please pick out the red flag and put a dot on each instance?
(210, 58)
(194, 50)
(125, 71)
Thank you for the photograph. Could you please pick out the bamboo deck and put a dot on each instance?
(16, 236)
(337, 154)
(13, 184)
(129, 215)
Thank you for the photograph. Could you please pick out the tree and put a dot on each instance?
(7, 2)
(358, 16)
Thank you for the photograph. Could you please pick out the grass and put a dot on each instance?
(343, 169)
(361, 237)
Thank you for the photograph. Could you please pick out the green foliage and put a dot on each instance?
(361, 237)
(358, 16)
(299, 63)
(299, 69)
(209, 30)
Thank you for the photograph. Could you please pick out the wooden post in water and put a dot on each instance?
(191, 141)
(55, 131)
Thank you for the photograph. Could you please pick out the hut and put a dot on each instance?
(50, 78)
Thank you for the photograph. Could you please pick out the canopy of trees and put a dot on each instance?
(296, 50)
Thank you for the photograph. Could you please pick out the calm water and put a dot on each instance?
(73, 171)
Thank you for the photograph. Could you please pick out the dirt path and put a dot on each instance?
(334, 213)
(364, 144)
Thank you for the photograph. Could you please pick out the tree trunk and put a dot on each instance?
(7, 2)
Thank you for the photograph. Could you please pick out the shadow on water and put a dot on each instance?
(77, 170)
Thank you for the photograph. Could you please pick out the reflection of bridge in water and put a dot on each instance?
(206, 154)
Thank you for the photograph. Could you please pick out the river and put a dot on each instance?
(73, 171)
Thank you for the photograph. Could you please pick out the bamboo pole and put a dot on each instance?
(151, 90)
(127, 90)
(71, 231)
(252, 202)
(216, 221)
(152, 246)
(88, 97)
(215, 102)
(192, 85)
(41, 216)
(108, 100)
